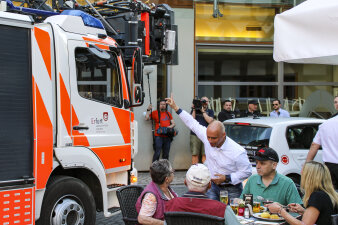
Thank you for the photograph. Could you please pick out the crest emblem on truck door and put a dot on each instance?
(105, 116)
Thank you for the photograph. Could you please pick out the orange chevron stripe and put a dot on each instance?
(123, 120)
(114, 156)
(78, 138)
(44, 141)
(107, 41)
(124, 80)
(104, 47)
(65, 105)
(43, 39)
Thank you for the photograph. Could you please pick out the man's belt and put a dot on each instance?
(229, 185)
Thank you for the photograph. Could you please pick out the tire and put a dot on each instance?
(68, 201)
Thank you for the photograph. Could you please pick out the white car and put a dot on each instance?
(291, 138)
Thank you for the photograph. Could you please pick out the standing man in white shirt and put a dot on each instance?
(277, 110)
(227, 161)
(327, 137)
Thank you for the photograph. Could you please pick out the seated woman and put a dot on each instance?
(150, 204)
(320, 198)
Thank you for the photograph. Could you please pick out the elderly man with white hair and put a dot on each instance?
(198, 181)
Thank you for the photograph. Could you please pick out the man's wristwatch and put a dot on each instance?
(148, 110)
(227, 179)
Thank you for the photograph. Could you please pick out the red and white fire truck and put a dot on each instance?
(68, 135)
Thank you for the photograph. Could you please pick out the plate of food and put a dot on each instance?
(268, 217)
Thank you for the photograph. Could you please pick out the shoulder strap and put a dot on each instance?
(168, 117)
(159, 117)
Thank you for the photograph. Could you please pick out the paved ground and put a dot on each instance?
(144, 179)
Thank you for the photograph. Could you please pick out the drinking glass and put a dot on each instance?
(234, 206)
(224, 196)
(256, 207)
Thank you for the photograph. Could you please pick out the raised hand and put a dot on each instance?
(170, 101)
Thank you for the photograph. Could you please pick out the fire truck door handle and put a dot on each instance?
(301, 157)
(80, 128)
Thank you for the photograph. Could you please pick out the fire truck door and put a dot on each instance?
(96, 96)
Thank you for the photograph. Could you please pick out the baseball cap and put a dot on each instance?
(253, 102)
(266, 153)
(198, 175)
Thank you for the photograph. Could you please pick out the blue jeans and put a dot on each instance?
(161, 143)
(234, 191)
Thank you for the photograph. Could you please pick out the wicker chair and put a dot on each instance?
(127, 197)
(188, 218)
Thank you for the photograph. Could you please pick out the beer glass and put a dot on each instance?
(224, 196)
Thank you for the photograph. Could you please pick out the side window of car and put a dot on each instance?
(98, 79)
(301, 136)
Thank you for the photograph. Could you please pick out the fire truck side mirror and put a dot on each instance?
(137, 79)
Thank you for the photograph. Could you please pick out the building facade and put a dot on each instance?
(225, 52)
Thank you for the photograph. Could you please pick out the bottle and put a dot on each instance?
(241, 209)
(246, 212)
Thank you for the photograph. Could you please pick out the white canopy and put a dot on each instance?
(308, 33)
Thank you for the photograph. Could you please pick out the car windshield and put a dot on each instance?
(248, 135)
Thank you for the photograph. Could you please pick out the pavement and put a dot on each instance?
(144, 179)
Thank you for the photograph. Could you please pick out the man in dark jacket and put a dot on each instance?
(226, 113)
(252, 110)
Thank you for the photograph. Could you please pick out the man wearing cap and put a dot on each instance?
(269, 184)
(198, 181)
(227, 161)
(252, 110)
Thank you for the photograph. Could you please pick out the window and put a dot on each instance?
(249, 135)
(301, 136)
(98, 79)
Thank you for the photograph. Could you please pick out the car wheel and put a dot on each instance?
(68, 201)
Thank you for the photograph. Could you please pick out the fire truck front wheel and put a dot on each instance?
(67, 201)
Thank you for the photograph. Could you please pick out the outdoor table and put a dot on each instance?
(255, 221)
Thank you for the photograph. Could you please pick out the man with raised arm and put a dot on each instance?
(227, 161)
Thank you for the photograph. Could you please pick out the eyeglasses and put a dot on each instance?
(275, 104)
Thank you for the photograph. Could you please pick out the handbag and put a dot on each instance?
(170, 132)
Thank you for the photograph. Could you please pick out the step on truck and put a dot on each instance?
(68, 135)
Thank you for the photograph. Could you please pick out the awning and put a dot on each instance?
(308, 33)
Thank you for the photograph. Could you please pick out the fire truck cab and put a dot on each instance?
(68, 135)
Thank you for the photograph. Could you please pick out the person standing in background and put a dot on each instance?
(252, 110)
(204, 116)
(226, 113)
(162, 118)
(277, 110)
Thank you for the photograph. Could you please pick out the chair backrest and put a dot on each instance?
(127, 197)
(334, 219)
(188, 218)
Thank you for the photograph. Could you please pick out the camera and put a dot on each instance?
(198, 104)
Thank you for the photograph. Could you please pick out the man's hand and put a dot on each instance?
(274, 207)
(220, 179)
(170, 101)
(149, 107)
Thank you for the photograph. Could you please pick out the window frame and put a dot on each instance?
(298, 125)
(102, 82)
